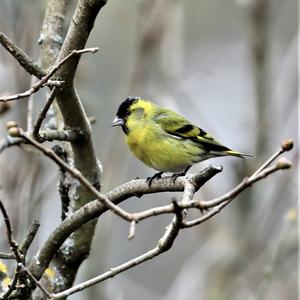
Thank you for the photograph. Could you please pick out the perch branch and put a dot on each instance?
(185, 203)
(95, 208)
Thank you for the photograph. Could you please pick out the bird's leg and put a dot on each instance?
(150, 179)
(183, 173)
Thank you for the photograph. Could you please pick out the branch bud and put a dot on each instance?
(11, 124)
(283, 163)
(287, 145)
(13, 129)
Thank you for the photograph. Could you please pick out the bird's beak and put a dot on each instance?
(117, 122)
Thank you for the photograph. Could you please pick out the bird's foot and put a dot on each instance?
(176, 175)
(183, 173)
(150, 179)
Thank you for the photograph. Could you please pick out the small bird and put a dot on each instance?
(164, 140)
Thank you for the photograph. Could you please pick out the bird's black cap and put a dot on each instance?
(123, 110)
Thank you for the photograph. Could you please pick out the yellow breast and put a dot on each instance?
(158, 150)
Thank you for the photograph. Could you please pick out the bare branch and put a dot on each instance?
(13, 244)
(68, 135)
(30, 106)
(163, 245)
(95, 208)
(132, 229)
(37, 283)
(29, 237)
(12, 285)
(24, 246)
(175, 226)
(7, 255)
(22, 58)
(14, 247)
(19, 253)
(286, 145)
(42, 114)
(72, 114)
(76, 174)
(35, 87)
(220, 202)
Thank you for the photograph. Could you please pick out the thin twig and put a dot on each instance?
(67, 135)
(163, 245)
(132, 229)
(7, 255)
(30, 106)
(166, 242)
(35, 87)
(13, 244)
(188, 203)
(286, 145)
(14, 247)
(170, 208)
(38, 284)
(95, 208)
(22, 58)
(77, 174)
(128, 190)
(19, 253)
(220, 202)
(268, 162)
(24, 246)
(12, 285)
(29, 237)
(54, 83)
(42, 114)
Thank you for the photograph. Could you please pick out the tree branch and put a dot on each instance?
(24, 246)
(134, 188)
(43, 113)
(80, 152)
(14, 247)
(95, 208)
(22, 58)
(35, 87)
(29, 237)
(68, 135)
(163, 245)
(76, 174)
(220, 202)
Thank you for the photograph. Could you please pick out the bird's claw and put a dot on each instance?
(150, 179)
(176, 175)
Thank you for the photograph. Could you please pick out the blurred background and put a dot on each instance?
(228, 66)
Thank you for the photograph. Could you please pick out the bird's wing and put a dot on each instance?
(178, 126)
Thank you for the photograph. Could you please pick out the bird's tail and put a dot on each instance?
(237, 154)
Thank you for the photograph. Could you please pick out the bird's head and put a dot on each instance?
(132, 107)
